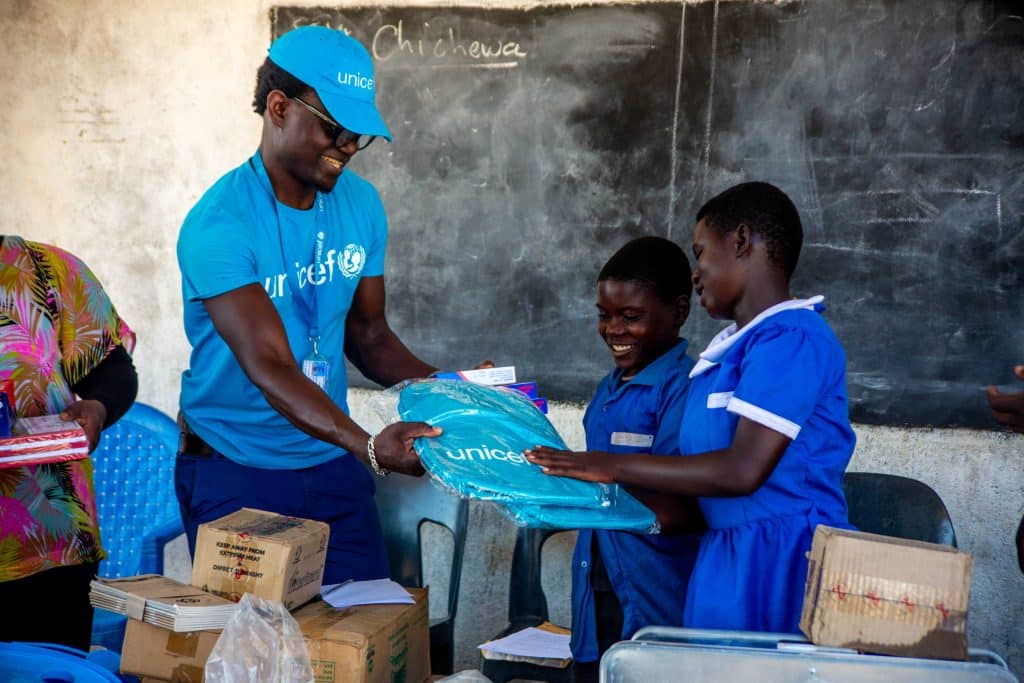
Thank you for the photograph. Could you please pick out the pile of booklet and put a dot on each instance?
(162, 601)
(41, 440)
(504, 376)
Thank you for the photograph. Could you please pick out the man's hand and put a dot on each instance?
(90, 415)
(1008, 409)
(587, 466)
(393, 446)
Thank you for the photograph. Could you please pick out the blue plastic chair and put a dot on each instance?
(138, 511)
(51, 663)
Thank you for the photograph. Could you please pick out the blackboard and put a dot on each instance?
(531, 143)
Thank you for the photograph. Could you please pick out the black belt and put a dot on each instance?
(191, 443)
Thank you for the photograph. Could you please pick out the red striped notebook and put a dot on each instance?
(45, 439)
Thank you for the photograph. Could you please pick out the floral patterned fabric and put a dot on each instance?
(56, 326)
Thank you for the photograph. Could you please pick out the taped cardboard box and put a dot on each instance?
(252, 551)
(886, 595)
(368, 643)
(154, 652)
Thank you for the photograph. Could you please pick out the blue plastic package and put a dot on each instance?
(480, 455)
(623, 512)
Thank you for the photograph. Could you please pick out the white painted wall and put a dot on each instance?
(118, 115)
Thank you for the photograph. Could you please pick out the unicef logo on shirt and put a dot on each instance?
(352, 260)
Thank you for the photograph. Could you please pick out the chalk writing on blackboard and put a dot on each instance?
(445, 45)
(530, 143)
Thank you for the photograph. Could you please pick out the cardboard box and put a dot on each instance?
(252, 551)
(161, 654)
(368, 643)
(886, 595)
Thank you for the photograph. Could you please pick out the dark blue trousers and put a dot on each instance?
(339, 492)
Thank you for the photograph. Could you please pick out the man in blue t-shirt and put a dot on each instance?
(282, 265)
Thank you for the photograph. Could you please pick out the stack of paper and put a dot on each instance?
(546, 645)
(374, 592)
(44, 439)
(162, 602)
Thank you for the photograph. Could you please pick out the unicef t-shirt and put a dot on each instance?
(230, 239)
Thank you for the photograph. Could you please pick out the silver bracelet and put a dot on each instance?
(377, 469)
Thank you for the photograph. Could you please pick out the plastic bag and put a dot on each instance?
(480, 455)
(261, 643)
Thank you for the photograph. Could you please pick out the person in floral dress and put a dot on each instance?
(65, 349)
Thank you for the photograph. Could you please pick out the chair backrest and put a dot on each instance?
(405, 504)
(526, 600)
(897, 506)
(134, 472)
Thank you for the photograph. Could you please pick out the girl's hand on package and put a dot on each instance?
(394, 450)
(90, 415)
(588, 466)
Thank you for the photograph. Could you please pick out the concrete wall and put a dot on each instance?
(119, 114)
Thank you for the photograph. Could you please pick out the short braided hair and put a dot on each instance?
(768, 211)
(652, 262)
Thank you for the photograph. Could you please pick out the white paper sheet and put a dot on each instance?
(376, 592)
(532, 642)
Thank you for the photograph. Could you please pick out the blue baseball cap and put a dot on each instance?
(339, 69)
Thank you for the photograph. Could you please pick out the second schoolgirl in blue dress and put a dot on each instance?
(766, 428)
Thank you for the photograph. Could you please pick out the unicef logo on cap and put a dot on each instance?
(352, 259)
(357, 80)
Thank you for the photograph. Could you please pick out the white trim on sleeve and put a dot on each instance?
(763, 417)
(719, 400)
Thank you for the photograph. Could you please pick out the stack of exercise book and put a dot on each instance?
(42, 440)
(504, 376)
(163, 602)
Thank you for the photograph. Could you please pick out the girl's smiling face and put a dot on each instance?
(636, 324)
(717, 272)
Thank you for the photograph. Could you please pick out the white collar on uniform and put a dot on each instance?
(725, 339)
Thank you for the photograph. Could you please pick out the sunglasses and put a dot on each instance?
(342, 136)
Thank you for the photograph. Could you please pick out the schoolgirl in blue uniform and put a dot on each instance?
(622, 581)
(766, 428)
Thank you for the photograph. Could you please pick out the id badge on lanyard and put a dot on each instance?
(315, 366)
